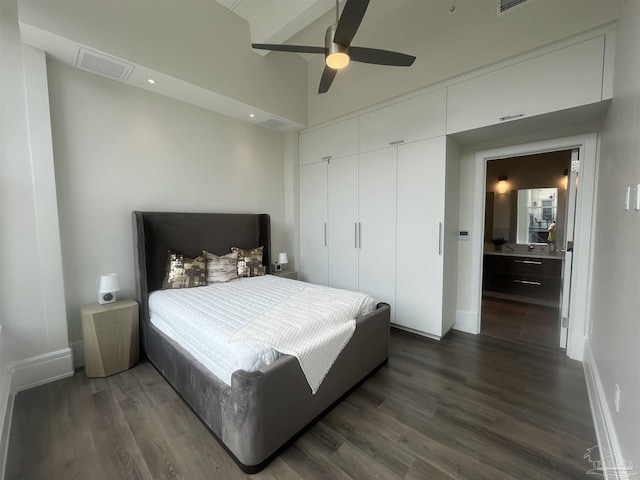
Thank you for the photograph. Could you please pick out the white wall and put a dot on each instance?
(33, 336)
(445, 44)
(32, 309)
(118, 149)
(615, 303)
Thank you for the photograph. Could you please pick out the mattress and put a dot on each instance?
(202, 320)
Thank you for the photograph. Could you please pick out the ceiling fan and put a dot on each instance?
(338, 50)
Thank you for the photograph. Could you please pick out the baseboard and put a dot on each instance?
(42, 369)
(6, 413)
(466, 322)
(607, 461)
(576, 346)
(416, 332)
(77, 348)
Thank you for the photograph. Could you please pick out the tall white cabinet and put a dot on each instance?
(377, 225)
(342, 227)
(313, 223)
(376, 214)
(427, 224)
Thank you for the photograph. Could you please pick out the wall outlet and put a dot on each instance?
(616, 398)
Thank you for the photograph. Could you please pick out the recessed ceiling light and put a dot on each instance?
(151, 81)
(252, 115)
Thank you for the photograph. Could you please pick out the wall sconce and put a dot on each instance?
(565, 180)
(502, 184)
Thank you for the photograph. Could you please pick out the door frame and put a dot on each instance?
(587, 145)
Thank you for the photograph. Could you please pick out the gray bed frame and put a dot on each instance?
(263, 411)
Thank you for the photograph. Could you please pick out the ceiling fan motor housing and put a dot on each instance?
(337, 55)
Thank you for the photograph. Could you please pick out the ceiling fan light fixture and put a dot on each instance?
(337, 60)
(337, 56)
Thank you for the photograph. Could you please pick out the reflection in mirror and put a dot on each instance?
(537, 210)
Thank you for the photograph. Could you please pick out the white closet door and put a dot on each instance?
(421, 188)
(313, 234)
(342, 222)
(377, 225)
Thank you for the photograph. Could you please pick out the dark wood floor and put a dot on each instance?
(521, 322)
(469, 407)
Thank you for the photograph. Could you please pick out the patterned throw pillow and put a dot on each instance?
(249, 262)
(221, 269)
(184, 272)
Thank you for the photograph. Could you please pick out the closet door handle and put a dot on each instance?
(359, 235)
(440, 238)
(355, 234)
(325, 234)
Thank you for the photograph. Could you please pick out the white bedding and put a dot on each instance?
(202, 320)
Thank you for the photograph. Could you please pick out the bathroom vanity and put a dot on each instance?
(532, 277)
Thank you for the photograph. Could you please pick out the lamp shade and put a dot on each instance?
(109, 283)
(282, 258)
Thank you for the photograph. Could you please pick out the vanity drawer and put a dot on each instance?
(526, 278)
(535, 267)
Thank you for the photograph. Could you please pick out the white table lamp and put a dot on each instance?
(108, 288)
(282, 260)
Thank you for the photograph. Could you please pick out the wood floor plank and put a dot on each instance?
(467, 407)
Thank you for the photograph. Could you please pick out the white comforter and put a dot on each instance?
(202, 320)
(314, 325)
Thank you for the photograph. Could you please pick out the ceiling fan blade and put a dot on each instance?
(380, 57)
(327, 79)
(288, 48)
(350, 20)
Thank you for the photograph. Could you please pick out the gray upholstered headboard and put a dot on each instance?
(154, 233)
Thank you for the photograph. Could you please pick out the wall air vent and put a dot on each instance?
(505, 5)
(101, 64)
(273, 123)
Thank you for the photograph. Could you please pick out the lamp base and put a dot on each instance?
(277, 267)
(106, 297)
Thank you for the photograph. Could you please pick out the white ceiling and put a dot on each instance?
(276, 21)
(270, 21)
(446, 45)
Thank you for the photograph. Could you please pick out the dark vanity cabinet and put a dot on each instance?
(527, 278)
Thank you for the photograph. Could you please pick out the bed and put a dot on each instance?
(260, 412)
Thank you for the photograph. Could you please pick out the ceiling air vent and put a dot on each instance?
(273, 123)
(101, 64)
(504, 5)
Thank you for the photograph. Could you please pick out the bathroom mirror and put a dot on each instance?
(524, 216)
(536, 209)
(524, 195)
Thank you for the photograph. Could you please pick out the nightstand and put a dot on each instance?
(292, 274)
(110, 334)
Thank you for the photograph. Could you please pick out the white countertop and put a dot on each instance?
(539, 251)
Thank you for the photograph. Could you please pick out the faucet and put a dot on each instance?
(531, 248)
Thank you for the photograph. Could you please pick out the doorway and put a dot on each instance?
(585, 147)
(525, 225)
